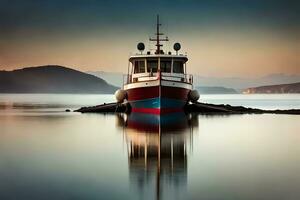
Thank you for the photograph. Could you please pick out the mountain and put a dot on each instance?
(52, 79)
(113, 78)
(236, 83)
(270, 89)
(216, 90)
(239, 83)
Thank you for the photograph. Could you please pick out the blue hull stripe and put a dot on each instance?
(158, 103)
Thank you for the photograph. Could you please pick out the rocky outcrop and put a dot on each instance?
(274, 89)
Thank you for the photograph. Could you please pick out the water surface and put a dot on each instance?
(46, 153)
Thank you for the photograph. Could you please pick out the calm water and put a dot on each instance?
(46, 153)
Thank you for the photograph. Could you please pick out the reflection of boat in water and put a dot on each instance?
(174, 122)
(157, 149)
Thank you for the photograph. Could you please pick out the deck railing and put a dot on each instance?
(185, 78)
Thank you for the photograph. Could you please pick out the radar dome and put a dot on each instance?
(141, 46)
(177, 46)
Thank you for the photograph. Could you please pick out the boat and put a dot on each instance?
(157, 81)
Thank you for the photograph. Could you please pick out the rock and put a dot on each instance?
(106, 108)
(200, 108)
(205, 108)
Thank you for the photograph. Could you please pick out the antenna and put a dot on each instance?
(157, 39)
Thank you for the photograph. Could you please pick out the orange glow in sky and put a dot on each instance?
(220, 41)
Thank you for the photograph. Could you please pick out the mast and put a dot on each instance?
(158, 39)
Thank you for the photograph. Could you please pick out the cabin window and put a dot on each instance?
(178, 67)
(139, 67)
(165, 66)
(152, 65)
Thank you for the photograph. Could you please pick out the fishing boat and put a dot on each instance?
(157, 81)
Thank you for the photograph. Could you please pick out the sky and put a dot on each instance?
(225, 38)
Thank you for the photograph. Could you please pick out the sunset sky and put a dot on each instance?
(222, 38)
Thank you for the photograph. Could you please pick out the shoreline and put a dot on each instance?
(198, 107)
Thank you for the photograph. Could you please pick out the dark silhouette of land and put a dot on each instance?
(275, 89)
(52, 79)
(197, 107)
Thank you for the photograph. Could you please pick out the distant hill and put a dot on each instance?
(240, 83)
(237, 83)
(216, 90)
(52, 79)
(273, 89)
(113, 78)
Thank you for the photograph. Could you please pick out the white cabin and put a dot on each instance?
(147, 67)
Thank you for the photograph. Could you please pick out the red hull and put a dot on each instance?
(157, 99)
(153, 92)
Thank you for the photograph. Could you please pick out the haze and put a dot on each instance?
(221, 38)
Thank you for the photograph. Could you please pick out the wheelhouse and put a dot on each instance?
(149, 67)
